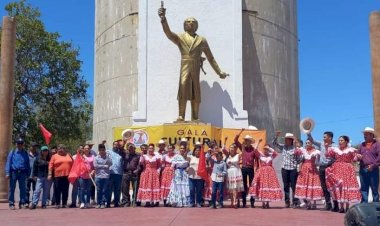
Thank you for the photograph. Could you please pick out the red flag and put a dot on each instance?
(202, 171)
(47, 135)
(77, 169)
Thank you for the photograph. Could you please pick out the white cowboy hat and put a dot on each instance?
(250, 127)
(248, 137)
(307, 125)
(369, 130)
(198, 143)
(183, 140)
(289, 135)
(161, 142)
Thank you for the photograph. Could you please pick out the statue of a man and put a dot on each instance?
(191, 46)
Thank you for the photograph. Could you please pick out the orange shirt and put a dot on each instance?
(61, 165)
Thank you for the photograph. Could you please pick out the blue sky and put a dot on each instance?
(334, 57)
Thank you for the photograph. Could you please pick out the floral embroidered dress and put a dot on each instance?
(179, 195)
(234, 176)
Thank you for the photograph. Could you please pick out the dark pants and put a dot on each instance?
(369, 179)
(114, 185)
(217, 186)
(129, 178)
(30, 186)
(14, 177)
(61, 185)
(101, 190)
(322, 178)
(289, 178)
(247, 171)
(196, 188)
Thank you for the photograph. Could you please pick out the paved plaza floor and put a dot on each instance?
(277, 215)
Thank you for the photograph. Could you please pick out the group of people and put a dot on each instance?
(316, 171)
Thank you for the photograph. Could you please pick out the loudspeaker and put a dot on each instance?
(363, 214)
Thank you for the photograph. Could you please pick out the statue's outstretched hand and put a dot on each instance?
(161, 12)
(223, 75)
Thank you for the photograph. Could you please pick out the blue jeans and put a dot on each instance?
(42, 185)
(85, 190)
(101, 190)
(369, 179)
(114, 185)
(196, 188)
(20, 176)
(217, 186)
(74, 193)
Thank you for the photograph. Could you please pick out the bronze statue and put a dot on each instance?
(191, 46)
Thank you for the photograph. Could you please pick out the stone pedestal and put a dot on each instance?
(8, 46)
(374, 23)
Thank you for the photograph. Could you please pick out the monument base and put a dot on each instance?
(194, 132)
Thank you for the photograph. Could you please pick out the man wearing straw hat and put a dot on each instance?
(288, 167)
(323, 162)
(369, 156)
(249, 162)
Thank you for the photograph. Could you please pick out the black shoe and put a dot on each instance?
(335, 209)
(109, 206)
(328, 207)
(43, 206)
(116, 205)
(287, 204)
(147, 204)
(157, 204)
(73, 206)
(252, 204)
(341, 210)
(138, 203)
(32, 207)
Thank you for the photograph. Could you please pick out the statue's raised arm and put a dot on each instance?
(165, 26)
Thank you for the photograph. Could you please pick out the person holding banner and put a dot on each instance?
(149, 189)
(167, 173)
(196, 182)
(234, 176)
(60, 164)
(179, 195)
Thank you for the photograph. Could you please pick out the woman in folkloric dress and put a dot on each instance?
(340, 177)
(234, 176)
(179, 195)
(308, 187)
(265, 186)
(149, 188)
(167, 174)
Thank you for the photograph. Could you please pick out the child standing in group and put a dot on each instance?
(102, 164)
(265, 186)
(218, 174)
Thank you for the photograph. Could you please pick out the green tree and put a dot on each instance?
(49, 87)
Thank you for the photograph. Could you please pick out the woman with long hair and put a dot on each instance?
(149, 189)
(179, 195)
(234, 175)
(167, 173)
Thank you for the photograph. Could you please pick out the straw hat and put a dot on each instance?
(161, 142)
(307, 125)
(248, 137)
(289, 135)
(369, 130)
(250, 127)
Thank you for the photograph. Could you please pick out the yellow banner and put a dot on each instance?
(173, 133)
